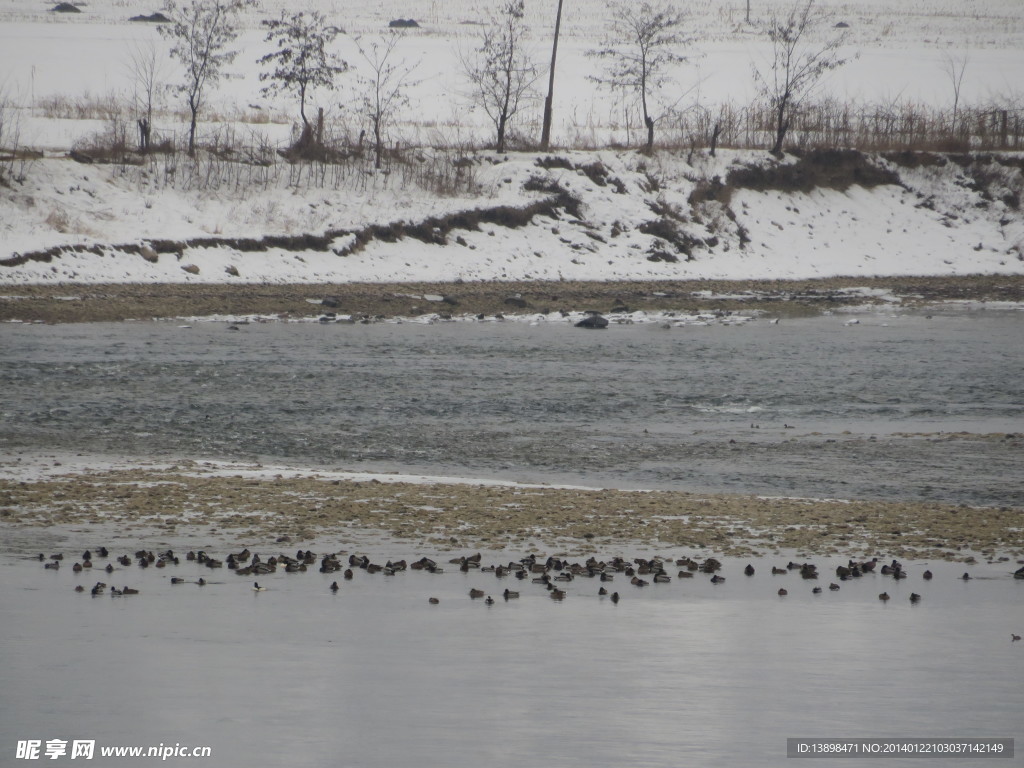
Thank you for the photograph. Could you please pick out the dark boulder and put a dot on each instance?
(153, 18)
(593, 321)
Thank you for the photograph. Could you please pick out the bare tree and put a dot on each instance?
(301, 61)
(954, 67)
(383, 91)
(200, 33)
(797, 65)
(501, 72)
(643, 45)
(145, 66)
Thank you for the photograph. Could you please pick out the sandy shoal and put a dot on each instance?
(253, 508)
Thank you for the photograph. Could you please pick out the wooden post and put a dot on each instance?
(545, 135)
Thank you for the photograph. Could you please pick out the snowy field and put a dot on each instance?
(57, 71)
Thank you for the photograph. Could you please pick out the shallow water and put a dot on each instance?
(702, 408)
(687, 673)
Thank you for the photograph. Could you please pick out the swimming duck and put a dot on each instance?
(475, 593)
(783, 592)
(966, 576)
(334, 586)
(79, 588)
(927, 575)
(433, 601)
(201, 582)
(177, 580)
(884, 596)
(1014, 638)
(834, 587)
(129, 591)
(716, 579)
(257, 588)
(602, 591)
(557, 594)
(508, 594)
(914, 597)
(489, 600)
(816, 591)
(615, 597)
(749, 570)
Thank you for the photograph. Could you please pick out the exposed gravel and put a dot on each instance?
(92, 303)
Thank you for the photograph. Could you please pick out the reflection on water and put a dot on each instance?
(694, 408)
(687, 673)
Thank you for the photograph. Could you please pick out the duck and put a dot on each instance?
(783, 591)
(115, 592)
(1014, 638)
(489, 600)
(334, 586)
(201, 582)
(615, 597)
(79, 588)
(475, 593)
(508, 594)
(129, 591)
(966, 576)
(557, 594)
(914, 597)
(602, 592)
(749, 570)
(177, 580)
(716, 579)
(834, 587)
(257, 588)
(433, 600)
(927, 575)
(816, 590)
(884, 596)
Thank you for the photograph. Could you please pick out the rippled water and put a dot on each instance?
(635, 406)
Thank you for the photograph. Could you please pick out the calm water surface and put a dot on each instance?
(687, 673)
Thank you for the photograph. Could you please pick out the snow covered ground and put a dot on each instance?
(933, 220)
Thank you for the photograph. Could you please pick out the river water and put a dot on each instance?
(687, 673)
(815, 407)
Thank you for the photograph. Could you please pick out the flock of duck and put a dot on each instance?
(551, 573)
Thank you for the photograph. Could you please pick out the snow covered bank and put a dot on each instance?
(573, 216)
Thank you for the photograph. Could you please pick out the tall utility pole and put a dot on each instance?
(545, 135)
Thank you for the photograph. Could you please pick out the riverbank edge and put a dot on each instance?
(262, 505)
(113, 302)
